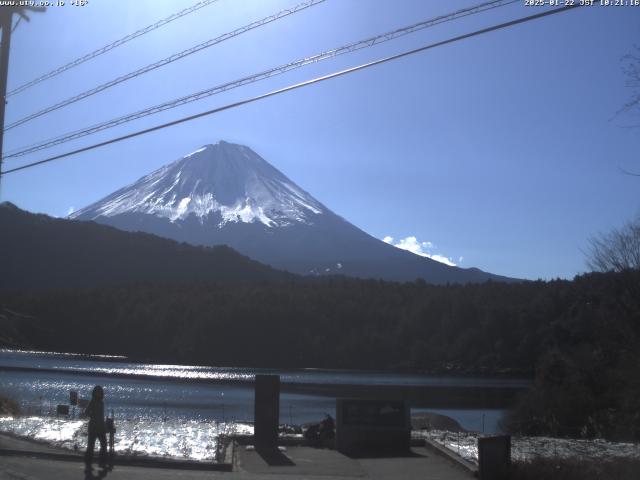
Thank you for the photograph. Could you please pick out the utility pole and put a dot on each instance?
(6, 21)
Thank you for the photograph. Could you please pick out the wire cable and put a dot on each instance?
(16, 26)
(351, 47)
(166, 61)
(111, 46)
(296, 86)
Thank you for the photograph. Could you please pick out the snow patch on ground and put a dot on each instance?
(527, 448)
(176, 438)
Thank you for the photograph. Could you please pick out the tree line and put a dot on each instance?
(578, 339)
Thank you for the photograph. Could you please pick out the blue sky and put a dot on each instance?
(501, 152)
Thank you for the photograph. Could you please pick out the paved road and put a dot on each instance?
(293, 462)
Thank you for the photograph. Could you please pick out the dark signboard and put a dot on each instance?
(73, 397)
(62, 410)
(372, 426)
(374, 413)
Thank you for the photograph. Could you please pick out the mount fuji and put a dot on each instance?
(227, 194)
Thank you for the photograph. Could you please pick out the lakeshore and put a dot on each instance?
(188, 413)
(39, 381)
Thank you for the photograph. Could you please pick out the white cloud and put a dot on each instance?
(70, 211)
(411, 244)
(441, 259)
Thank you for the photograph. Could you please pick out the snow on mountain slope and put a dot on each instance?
(229, 179)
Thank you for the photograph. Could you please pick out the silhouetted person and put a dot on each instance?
(327, 428)
(97, 429)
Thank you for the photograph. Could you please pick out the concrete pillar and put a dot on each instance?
(267, 410)
(494, 457)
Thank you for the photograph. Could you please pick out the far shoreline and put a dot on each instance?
(445, 371)
(418, 396)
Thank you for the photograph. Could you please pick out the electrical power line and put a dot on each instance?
(6, 19)
(111, 46)
(351, 47)
(296, 86)
(166, 61)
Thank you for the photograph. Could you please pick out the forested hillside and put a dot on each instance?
(579, 337)
(38, 251)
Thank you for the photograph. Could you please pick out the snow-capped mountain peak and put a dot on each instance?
(226, 194)
(223, 179)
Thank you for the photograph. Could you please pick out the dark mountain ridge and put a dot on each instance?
(38, 251)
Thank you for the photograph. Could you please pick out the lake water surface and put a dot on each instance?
(187, 404)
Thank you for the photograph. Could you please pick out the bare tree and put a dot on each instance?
(631, 70)
(617, 250)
